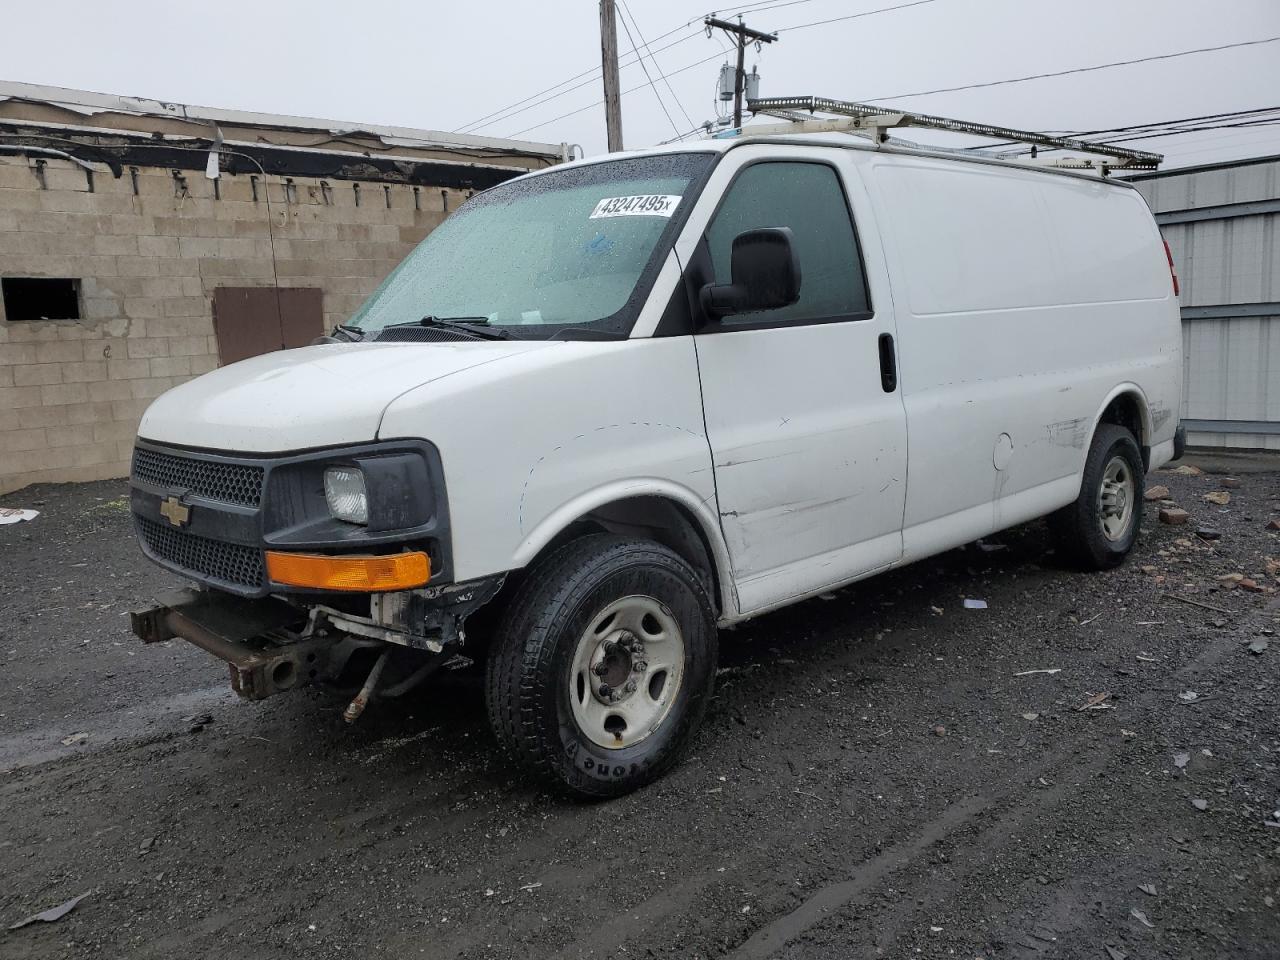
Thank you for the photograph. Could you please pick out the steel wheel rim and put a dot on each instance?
(626, 673)
(1116, 497)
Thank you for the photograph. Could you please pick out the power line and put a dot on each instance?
(854, 16)
(670, 89)
(801, 26)
(645, 68)
(1063, 73)
(592, 75)
(761, 5)
(593, 72)
(697, 63)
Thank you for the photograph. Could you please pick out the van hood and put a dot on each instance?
(316, 396)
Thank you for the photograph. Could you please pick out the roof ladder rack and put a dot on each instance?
(806, 115)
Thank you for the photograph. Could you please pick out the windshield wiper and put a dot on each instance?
(479, 326)
(354, 332)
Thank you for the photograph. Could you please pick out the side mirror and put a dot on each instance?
(766, 275)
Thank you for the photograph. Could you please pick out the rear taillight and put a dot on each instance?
(1168, 254)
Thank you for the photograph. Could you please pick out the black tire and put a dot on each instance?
(531, 662)
(1078, 528)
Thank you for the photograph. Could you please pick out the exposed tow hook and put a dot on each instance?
(356, 706)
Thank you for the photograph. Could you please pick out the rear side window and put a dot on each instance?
(808, 198)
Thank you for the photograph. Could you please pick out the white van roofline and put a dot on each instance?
(840, 141)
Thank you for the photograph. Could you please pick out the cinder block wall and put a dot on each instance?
(148, 259)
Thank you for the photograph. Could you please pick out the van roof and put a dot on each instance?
(842, 141)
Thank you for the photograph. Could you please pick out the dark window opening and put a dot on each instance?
(808, 198)
(40, 298)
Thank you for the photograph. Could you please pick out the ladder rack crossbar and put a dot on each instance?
(800, 109)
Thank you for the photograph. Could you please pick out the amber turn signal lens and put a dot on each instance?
(396, 571)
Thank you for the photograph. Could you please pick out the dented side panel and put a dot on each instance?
(810, 451)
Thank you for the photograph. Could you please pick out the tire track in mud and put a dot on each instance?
(127, 726)
(830, 900)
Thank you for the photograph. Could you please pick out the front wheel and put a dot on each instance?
(603, 666)
(1099, 529)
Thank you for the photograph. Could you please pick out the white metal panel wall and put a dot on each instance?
(1223, 226)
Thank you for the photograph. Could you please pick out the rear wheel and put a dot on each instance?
(1099, 529)
(603, 666)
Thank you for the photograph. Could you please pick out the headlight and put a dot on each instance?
(344, 491)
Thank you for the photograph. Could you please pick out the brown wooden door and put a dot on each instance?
(250, 321)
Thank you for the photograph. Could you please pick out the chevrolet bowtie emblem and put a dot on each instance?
(175, 511)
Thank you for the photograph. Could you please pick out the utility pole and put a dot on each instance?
(609, 63)
(741, 33)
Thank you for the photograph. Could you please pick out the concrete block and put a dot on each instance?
(196, 247)
(127, 369)
(17, 353)
(161, 288)
(56, 394)
(114, 431)
(58, 351)
(150, 387)
(170, 366)
(109, 390)
(142, 308)
(129, 410)
(37, 374)
(136, 266)
(144, 347)
(84, 371)
(185, 307)
(29, 439)
(78, 330)
(27, 417)
(35, 331)
(203, 364)
(92, 412)
(101, 308)
(77, 434)
(181, 326)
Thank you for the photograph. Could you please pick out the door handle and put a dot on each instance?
(888, 364)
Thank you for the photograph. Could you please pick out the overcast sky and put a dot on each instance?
(443, 66)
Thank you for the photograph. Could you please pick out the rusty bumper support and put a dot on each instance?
(235, 630)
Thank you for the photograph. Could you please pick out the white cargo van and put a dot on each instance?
(606, 408)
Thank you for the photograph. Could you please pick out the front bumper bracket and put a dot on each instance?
(256, 638)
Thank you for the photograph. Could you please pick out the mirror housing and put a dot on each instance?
(765, 275)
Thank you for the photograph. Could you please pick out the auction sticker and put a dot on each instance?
(648, 205)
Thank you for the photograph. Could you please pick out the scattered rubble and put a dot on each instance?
(52, 914)
(1176, 517)
(1220, 497)
(1157, 492)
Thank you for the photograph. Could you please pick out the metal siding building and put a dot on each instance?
(1221, 222)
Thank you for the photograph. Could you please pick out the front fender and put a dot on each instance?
(701, 509)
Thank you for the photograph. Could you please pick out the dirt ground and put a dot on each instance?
(884, 773)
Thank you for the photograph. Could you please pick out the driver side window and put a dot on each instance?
(808, 198)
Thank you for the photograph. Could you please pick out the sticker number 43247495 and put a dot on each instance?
(648, 205)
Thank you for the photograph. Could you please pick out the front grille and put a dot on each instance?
(226, 562)
(228, 482)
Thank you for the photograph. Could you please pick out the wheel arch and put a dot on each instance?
(666, 512)
(1126, 406)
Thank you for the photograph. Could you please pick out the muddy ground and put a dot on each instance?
(875, 778)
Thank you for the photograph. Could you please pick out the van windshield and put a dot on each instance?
(569, 253)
